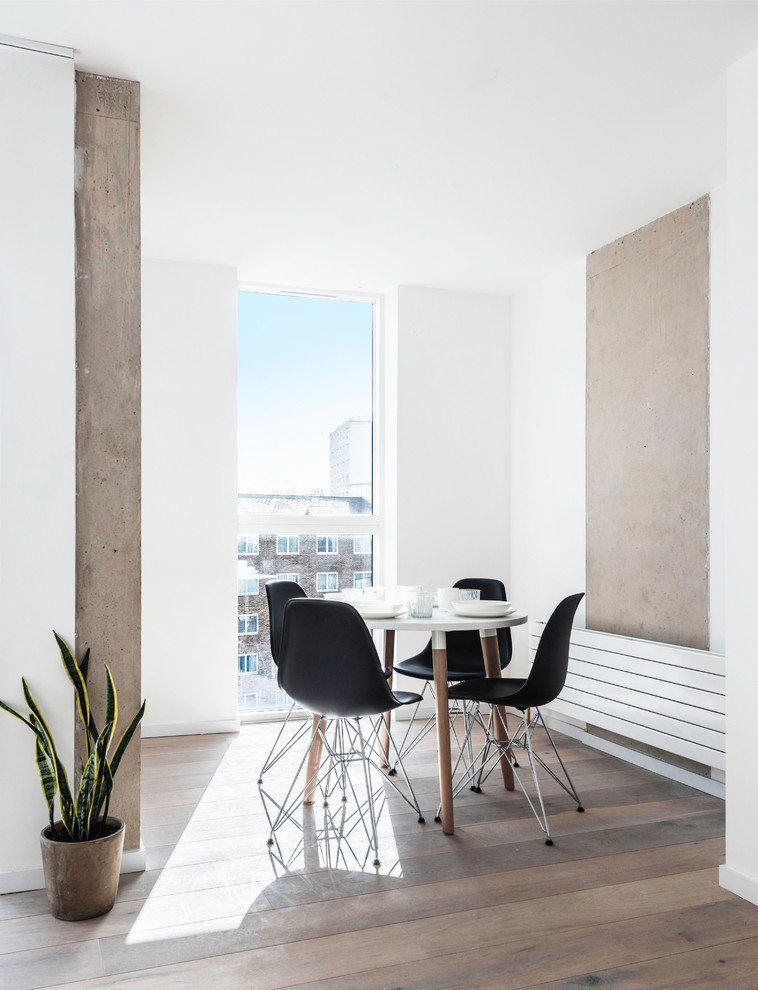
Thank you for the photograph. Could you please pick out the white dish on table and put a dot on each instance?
(482, 609)
(379, 610)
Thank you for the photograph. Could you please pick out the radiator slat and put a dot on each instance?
(711, 680)
(591, 678)
(664, 696)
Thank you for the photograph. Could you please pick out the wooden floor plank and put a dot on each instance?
(627, 895)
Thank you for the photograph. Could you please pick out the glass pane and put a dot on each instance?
(258, 680)
(314, 455)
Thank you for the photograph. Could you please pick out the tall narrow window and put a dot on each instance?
(306, 469)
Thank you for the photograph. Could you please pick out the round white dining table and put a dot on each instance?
(439, 624)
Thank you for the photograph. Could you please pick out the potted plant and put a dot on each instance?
(81, 852)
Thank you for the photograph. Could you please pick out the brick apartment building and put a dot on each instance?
(319, 563)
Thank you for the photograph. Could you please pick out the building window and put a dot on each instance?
(362, 579)
(327, 453)
(361, 544)
(247, 544)
(247, 586)
(247, 663)
(327, 581)
(247, 625)
(247, 702)
(288, 544)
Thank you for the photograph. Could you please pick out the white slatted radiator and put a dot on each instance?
(667, 697)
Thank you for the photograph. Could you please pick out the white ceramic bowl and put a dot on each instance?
(487, 608)
(379, 610)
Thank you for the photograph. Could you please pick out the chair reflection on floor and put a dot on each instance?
(329, 665)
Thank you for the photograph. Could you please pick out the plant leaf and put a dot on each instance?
(80, 685)
(111, 713)
(85, 798)
(104, 781)
(125, 738)
(84, 666)
(46, 737)
(46, 769)
(15, 714)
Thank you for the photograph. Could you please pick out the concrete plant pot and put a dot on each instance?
(82, 877)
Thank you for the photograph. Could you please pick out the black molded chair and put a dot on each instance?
(464, 657)
(278, 593)
(544, 683)
(328, 664)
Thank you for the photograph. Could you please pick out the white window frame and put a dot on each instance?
(295, 578)
(247, 579)
(248, 538)
(361, 540)
(362, 585)
(246, 695)
(246, 657)
(327, 538)
(288, 537)
(335, 584)
(247, 616)
(372, 525)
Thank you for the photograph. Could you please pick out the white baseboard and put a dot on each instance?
(190, 728)
(739, 884)
(16, 881)
(708, 785)
(132, 861)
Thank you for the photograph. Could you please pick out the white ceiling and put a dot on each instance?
(360, 144)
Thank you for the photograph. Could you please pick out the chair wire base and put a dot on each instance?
(344, 744)
(406, 746)
(477, 768)
(275, 754)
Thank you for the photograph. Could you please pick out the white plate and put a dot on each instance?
(379, 610)
(488, 609)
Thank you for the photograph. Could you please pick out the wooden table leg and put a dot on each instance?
(389, 662)
(439, 660)
(314, 759)
(491, 656)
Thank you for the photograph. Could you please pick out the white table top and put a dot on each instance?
(443, 621)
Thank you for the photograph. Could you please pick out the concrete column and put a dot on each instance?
(108, 413)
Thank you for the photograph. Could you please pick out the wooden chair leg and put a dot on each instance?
(389, 661)
(491, 656)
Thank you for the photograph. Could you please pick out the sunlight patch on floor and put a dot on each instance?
(224, 877)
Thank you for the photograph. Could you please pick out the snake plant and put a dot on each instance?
(83, 815)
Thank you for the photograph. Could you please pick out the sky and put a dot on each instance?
(304, 368)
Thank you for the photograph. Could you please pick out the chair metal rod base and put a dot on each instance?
(343, 743)
(479, 766)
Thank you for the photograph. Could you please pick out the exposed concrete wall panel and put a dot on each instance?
(647, 431)
(108, 513)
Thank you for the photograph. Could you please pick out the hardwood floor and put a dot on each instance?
(627, 898)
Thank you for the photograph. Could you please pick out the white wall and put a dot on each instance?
(740, 874)
(189, 497)
(719, 399)
(37, 431)
(547, 449)
(452, 436)
(453, 426)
